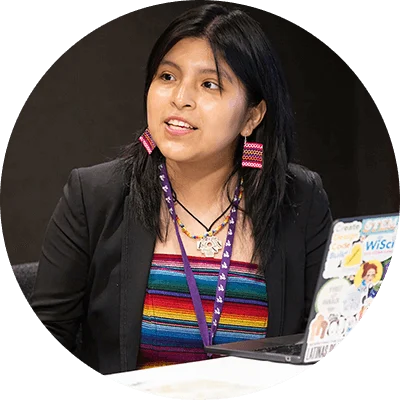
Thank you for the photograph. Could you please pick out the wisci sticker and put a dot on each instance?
(379, 246)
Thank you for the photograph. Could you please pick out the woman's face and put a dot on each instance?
(370, 275)
(188, 115)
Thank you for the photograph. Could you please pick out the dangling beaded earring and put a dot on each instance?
(147, 141)
(252, 154)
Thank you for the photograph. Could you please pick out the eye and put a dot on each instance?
(167, 77)
(211, 85)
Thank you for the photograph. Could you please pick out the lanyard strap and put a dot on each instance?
(206, 335)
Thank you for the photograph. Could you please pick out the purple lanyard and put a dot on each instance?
(206, 335)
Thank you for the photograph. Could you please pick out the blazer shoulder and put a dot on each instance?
(300, 176)
(108, 178)
(305, 187)
(102, 187)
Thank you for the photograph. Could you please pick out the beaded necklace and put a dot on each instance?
(208, 244)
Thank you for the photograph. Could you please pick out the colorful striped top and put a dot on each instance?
(170, 333)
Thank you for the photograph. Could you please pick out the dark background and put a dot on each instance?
(90, 101)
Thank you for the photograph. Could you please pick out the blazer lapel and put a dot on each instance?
(137, 253)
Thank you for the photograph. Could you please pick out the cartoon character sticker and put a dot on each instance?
(318, 328)
(369, 274)
(368, 281)
(336, 326)
(340, 326)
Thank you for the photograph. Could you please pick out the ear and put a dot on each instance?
(254, 117)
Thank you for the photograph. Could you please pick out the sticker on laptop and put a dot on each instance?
(369, 274)
(377, 225)
(329, 298)
(378, 245)
(354, 243)
(345, 250)
(316, 352)
(357, 261)
(385, 265)
(336, 305)
(378, 236)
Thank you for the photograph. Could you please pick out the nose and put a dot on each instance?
(184, 96)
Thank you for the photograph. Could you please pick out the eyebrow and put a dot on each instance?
(222, 72)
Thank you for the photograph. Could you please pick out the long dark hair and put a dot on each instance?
(239, 40)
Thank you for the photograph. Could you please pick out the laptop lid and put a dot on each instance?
(357, 256)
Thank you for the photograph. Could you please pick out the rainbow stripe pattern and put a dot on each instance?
(252, 155)
(170, 333)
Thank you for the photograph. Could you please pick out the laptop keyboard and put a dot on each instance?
(290, 349)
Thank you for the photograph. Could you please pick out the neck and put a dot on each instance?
(201, 187)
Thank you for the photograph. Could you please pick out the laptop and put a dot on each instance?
(357, 256)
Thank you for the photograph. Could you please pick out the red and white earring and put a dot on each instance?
(252, 154)
(147, 141)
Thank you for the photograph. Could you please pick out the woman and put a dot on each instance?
(203, 231)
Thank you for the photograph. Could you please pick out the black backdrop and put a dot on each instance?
(90, 101)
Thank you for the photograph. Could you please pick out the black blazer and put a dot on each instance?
(96, 258)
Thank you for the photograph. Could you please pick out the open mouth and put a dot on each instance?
(179, 125)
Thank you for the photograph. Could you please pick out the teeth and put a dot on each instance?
(179, 123)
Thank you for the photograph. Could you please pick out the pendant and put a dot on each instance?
(209, 246)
